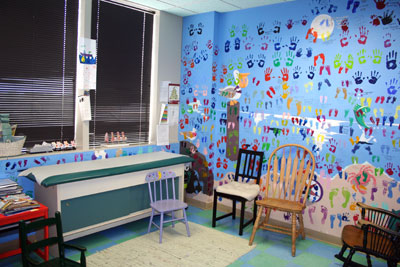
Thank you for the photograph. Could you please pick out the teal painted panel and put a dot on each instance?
(84, 211)
(88, 210)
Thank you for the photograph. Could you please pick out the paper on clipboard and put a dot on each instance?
(84, 108)
(173, 114)
(164, 91)
(162, 134)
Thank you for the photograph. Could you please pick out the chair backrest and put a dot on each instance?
(161, 184)
(378, 216)
(381, 242)
(248, 166)
(290, 172)
(26, 228)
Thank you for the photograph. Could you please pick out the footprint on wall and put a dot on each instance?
(334, 192)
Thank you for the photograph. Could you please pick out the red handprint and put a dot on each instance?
(267, 73)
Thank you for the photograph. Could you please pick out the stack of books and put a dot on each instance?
(12, 200)
(9, 187)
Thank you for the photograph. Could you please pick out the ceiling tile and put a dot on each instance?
(191, 7)
(155, 4)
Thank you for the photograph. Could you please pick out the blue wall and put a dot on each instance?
(322, 73)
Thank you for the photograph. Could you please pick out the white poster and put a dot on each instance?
(87, 58)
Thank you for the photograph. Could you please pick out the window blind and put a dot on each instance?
(121, 101)
(38, 66)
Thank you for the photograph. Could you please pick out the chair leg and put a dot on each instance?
(242, 217)
(186, 222)
(340, 254)
(266, 219)
(293, 234)
(173, 218)
(369, 260)
(254, 211)
(349, 257)
(214, 216)
(161, 225)
(151, 220)
(256, 224)
(233, 209)
(301, 222)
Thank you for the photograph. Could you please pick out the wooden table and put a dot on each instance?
(40, 212)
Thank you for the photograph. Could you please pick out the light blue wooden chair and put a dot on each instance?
(161, 185)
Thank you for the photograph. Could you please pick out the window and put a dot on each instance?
(121, 101)
(38, 66)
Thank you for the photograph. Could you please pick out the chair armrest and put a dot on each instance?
(77, 247)
(81, 249)
(32, 261)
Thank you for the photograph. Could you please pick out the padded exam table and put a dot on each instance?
(100, 194)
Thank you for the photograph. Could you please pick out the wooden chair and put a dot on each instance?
(162, 184)
(376, 233)
(28, 247)
(248, 167)
(289, 175)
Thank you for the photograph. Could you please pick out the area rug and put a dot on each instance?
(205, 247)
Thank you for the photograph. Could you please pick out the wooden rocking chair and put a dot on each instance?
(377, 234)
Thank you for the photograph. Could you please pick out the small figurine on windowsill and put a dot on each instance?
(73, 144)
(58, 146)
(112, 137)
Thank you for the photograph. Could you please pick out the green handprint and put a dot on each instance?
(377, 56)
(361, 57)
(240, 63)
(277, 59)
(229, 79)
(350, 62)
(230, 66)
(337, 62)
(290, 57)
(232, 31)
(244, 30)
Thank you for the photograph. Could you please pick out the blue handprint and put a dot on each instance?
(309, 52)
(392, 86)
(293, 43)
(391, 59)
(374, 77)
(227, 46)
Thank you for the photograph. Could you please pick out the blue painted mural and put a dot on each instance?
(11, 167)
(321, 73)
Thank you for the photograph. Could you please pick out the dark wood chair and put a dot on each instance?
(375, 234)
(248, 167)
(28, 247)
(289, 176)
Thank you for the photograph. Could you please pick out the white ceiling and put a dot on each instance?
(191, 7)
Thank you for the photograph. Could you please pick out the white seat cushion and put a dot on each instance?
(247, 191)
